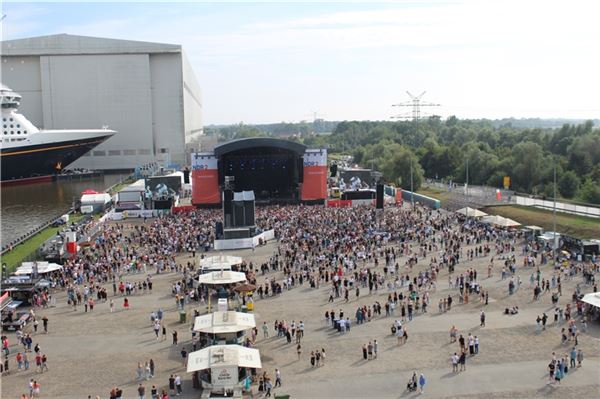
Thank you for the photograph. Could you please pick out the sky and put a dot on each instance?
(261, 62)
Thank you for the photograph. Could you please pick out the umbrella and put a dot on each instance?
(245, 287)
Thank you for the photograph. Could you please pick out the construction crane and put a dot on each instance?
(416, 104)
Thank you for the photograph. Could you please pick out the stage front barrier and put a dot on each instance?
(314, 185)
(205, 179)
(241, 243)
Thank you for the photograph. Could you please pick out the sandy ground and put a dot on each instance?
(88, 353)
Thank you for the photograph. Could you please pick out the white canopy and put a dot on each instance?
(220, 262)
(224, 322)
(471, 212)
(500, 221)
(592, 298)
(223, 277)
(223, 356)
(26, 268)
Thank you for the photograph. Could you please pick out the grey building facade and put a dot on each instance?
(147, 92)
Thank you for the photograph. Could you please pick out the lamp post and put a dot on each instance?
(554, 221)
(412, 200)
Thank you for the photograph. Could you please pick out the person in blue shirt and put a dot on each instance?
(421, 383)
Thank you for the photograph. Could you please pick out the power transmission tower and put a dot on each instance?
(415, 103)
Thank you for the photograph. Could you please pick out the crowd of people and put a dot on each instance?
(354, 253)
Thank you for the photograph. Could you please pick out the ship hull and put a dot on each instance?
(36, 163)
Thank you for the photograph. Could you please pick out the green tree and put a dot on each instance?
(568, 184)
(590, 192)
(397, 169)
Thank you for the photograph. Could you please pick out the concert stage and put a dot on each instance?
(278, 171)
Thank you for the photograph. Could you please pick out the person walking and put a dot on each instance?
(482, 319)
(45, 324)
(183, 356)
(141, 391)
(277, 378)
(421, 383)
(174, 337)
(178, 385)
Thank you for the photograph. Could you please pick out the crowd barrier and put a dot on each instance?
(241, 243)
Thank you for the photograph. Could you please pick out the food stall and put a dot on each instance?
(223, 369)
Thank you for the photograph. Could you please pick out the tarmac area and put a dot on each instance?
(89, 353)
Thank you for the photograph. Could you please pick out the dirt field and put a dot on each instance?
(88, 353)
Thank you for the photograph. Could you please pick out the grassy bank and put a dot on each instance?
(22, 251)
(572, 225)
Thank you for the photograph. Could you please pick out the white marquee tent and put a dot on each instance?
(26, 268)
(471, 212)
(223, 277)
(223, 356)
(224, 322)
(592, 298)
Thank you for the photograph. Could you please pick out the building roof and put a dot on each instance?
(253, 142)
(64, 44)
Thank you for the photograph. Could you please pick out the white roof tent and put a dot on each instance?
(592, 298)
(220, 262)
(224, 322)
(224, 277)
(218, 356)
(26, 268)
(500, 221)
(471, 212)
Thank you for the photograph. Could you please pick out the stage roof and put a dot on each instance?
(254, 142)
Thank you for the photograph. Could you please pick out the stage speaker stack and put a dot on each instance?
(228, 208)
(186, 176)
(333, 168)
(219, 229)
(379, 197)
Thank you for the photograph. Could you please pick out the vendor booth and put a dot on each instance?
(218, 263)
(223, 369)
(224, 327)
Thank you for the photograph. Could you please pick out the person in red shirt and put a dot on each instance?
(38, 362)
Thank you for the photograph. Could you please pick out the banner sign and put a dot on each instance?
(314, 185)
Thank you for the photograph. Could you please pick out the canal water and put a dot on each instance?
(28, 206)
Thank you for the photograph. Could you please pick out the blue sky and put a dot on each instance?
(271, 62)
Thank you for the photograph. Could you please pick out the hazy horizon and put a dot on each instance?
(258, 62)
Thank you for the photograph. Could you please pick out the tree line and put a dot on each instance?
(440, 149)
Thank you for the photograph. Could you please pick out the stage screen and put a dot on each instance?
(272, 173)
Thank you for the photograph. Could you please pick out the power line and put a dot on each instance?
(415, 103)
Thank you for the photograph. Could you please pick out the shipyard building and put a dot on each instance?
(147, 92)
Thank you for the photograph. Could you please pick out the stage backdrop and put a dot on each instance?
(314, 185)
(205, 179)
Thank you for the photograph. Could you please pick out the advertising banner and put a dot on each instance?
(314, 185)
(205, 179)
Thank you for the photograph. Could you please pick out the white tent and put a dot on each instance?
(500, 221)
(592, 298)
(26, 268)
(223, 356)
(223, 277)
(224, 322)
(220, 262)
(471, 212)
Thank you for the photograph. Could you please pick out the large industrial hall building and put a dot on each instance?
(147, 92)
